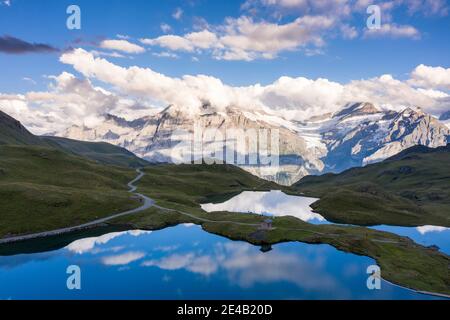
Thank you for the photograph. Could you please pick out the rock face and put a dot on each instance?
(361, 134)
(169, 136)
(358, 134)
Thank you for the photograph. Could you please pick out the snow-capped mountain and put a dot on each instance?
(358, 134)
(165, 137)
(361, 133)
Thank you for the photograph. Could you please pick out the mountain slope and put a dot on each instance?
(359, 134)
(411, 188)
(362, 133)
(167, 135)
(101, 152)
(44, 189)
(12, 132)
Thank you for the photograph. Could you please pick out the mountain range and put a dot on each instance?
(358, 134)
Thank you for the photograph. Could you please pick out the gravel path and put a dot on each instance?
(147, 203)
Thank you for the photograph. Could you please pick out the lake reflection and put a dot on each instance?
(273, 203)
(185, 262)
(424, 235)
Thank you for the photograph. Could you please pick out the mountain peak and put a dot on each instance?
(411, 112)
(13, 132)
(357, 109)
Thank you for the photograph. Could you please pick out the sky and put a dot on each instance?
(296, 58)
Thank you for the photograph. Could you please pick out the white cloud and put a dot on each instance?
(177, 14)
(269, 27)
(245, 39)
(393, 31)
(427, 229)
(107, 54)
(171, 42)
(165, 54)
(121, 45)
(427, 7)
(244, 266)
(122, 36)
(300, 7)
(28, 79)
(349, 32)
(122, 259)
(165, 27)
(431, 77)
(201, 264)
(89, 244)
(191, 41)
(135, 91)
(294, 97)
(68, 101)
(256, 38)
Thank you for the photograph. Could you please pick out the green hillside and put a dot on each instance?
(44, 189)
(410, 189)
(47, 183)
(97, 151)
(179, 191)
(12, 132)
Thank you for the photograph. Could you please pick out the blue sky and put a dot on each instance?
(241, 43)
(342, 60)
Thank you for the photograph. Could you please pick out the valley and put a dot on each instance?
(65, 189)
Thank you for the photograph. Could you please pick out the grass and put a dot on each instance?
(411, 189)
(100, 152)
(43, 189)
(183, 188)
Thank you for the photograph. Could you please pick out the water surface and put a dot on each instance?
(184, 262)
(273, 203)
(424, 235)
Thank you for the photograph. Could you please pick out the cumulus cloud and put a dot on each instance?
(244, 266)
(121, 45)
(267, 28)
(294, 97)
(201, 264)
(122, 259)
(245, 39)
(13, 45)
(393, 31)
(426, 229)
(189, 42)
(135, 91)
(68, 101)
(431, 77)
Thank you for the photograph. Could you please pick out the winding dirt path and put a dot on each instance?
(147, 204)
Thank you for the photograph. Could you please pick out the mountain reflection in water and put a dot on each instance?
(184, 262)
